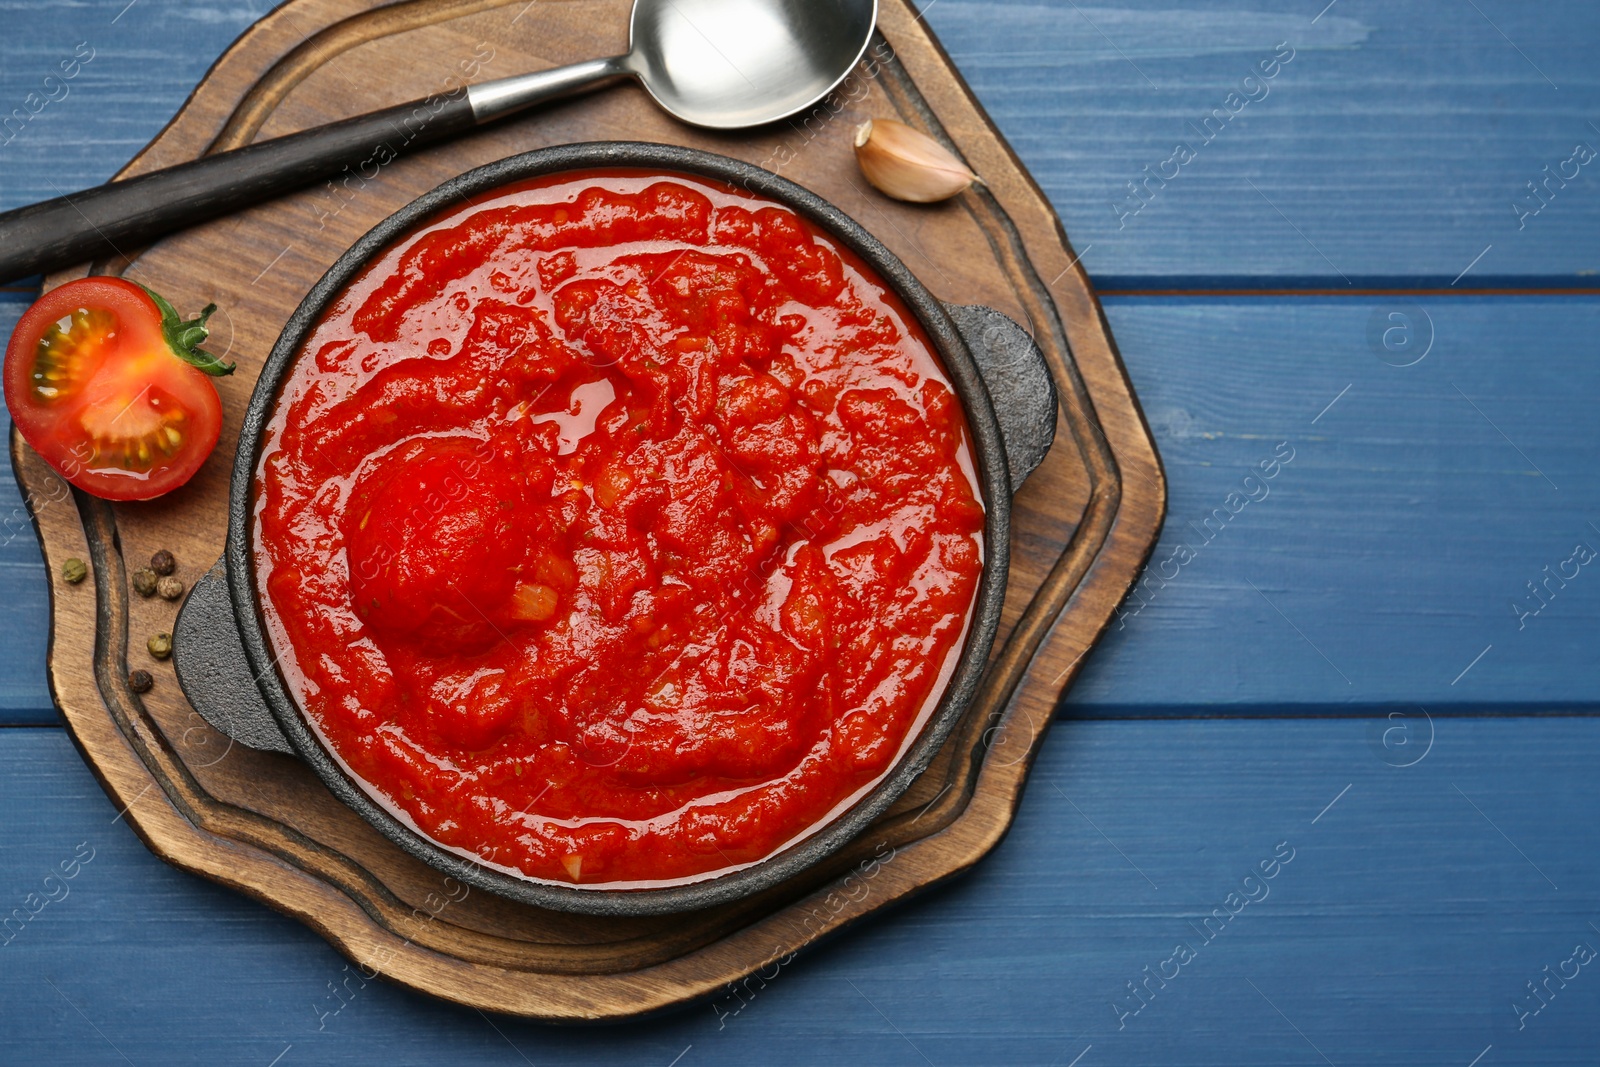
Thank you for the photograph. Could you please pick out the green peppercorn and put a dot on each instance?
(74, 570)
(170, 588)
(163, 563)
(140, 681)
(144, 581)
(160, 646)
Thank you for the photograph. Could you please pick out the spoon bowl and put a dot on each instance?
(728, 64)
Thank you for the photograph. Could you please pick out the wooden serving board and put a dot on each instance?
(262, 823)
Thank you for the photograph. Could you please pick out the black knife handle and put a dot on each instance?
(127, 214)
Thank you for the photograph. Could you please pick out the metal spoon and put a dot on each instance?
(723, 64)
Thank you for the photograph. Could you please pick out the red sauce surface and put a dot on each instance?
(617, 529)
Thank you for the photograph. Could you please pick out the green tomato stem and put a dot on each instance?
(184, 337)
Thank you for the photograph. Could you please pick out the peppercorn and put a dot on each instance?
(144, 581)
(74, 571)
(163, 563)
(160, 646)
(140, 681)
(170, 588)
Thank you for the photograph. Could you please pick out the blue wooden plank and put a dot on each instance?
(1418, 904)
(25, 617)
(1386, 557)
(1388, 151)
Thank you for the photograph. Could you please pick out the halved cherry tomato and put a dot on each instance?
(108, 384)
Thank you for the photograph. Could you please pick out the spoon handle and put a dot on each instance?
(119, 217)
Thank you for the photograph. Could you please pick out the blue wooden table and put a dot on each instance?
(1327, 795)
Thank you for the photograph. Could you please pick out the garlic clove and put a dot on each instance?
(907, 164)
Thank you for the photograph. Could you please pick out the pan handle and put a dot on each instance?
(212, 669)
(1019, 384)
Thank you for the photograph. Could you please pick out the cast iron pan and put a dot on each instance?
(226, 665)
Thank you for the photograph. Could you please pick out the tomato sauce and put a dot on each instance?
(617, 529)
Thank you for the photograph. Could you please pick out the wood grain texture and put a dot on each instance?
(259, 822)
(1400, 934)
(1387, 153)
(1420, 503)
